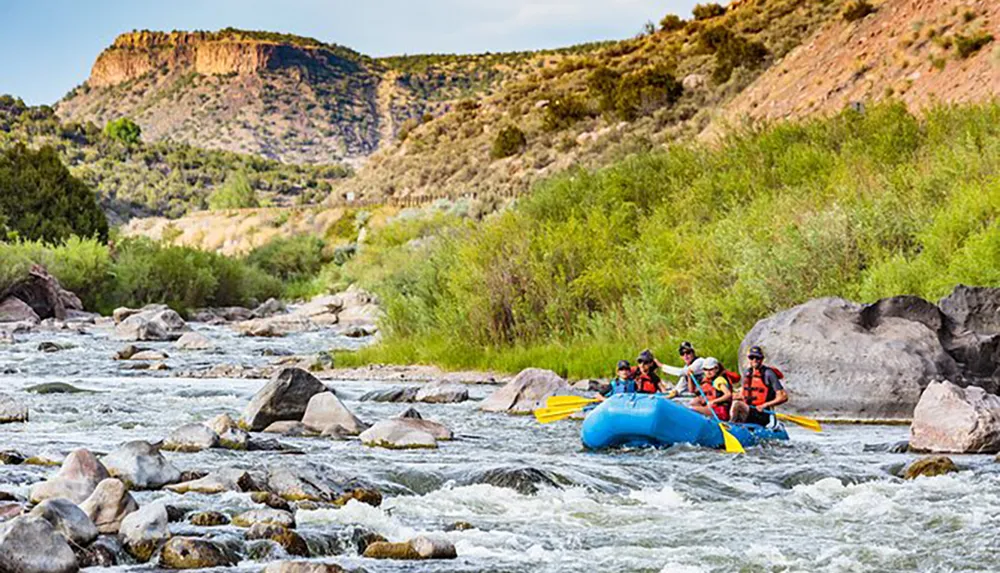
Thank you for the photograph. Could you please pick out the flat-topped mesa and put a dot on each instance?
(135, 54)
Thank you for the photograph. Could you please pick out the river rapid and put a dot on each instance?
(823, 502)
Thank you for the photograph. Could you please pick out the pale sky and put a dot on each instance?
(48, 46)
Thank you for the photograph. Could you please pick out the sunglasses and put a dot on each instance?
(755, 357)
(686, 352)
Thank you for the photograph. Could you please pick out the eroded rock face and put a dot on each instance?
(67, 519)
(108, 505)
(950, 419)
(30, 544)
(44, 295)
(284, 398)
(526, 392)
(325, 411)
(79, 475)
(140, 465)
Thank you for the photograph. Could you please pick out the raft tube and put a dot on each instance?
(654, 420)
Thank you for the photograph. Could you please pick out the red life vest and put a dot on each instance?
(756, 391)
(646, 383)
(713, 393)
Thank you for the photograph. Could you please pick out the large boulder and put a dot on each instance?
(399, 434)
(12, 410)
(152, 323)
(42, 292)
(140, 465)
(144, 530)
(30, 544)
(442, 393)
(194, 553)
(79, 475)
(194, 341)
(417, 548)
(526, 392)
(297, 484)
(845, 360)
(285, 397)
(950, 419)
(108, 505)
(67, 519)
(973, 337)
(325, 411)
(191, 438)
(13, 309)
(397, 394)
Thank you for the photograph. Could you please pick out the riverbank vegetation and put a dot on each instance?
(695, 243)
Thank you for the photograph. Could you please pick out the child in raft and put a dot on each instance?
(624, 381)
(716, 389)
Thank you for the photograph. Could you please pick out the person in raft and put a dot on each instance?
(691, 373)
(646, 378)
(762, 390)
(623, 383)
(716, 391)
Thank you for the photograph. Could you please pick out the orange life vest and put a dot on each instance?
(647, 383)
(713, 393)
(756, 391)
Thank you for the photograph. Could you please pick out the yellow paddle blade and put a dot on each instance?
(560, 401)
(807, 423)
(733, 446)
(549, 415)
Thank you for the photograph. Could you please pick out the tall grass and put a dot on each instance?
(697, 243)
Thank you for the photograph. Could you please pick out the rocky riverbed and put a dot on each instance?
(497, 492)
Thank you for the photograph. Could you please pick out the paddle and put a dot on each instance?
(803, 421)
(733, 446)
(561, 407)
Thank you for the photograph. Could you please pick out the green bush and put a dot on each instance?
(124, 130)
(672, 22)
(731, 51)
(236, 193)
(856, 10)
(40, 200)
(707, 11)
(603, 86)
(641, 92)
(966, 46)
(563, 111)
(290, 258)
(509, 141)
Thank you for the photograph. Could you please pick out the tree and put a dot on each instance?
(41, 200)
(642, 92)
(235, 193)
(124, 130)
(672, 22)
(707, 11)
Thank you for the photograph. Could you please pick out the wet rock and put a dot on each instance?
(191, 438)
(929, 467)
(50, 347)
(152, 323)
(108, 505)
(389, 550)
(209, 519)
(270, 307)
(524, 480)
(67, 519)
(194, 553)
(194, 341)
(176, 513)
(591, 386)
(273, 516)
(144, 530)
(400, 394)
(269, 499)
(303, 567)
(325, 410)
(442, 393)
(267, 445)
(12, 458)
(526, 392)
(56, 388)
(295, 484)
(433, 548)
(285, 397)
(127, 352)
(291, 541)
(140, 465)
(77, 479)
(216, 482)
(102, 553)
(397, 435)
(460, 526)
(230, 435)
(191, 475)
(973, 339)
(291, 429)
(10, 509)
(15, 310)
(148, 356)
(275, 326)
(950, 419)
(220, 315)
(12, 410)
(30, 544)
(369, 496)
(845, 360)
(410, 413)
(362, 538)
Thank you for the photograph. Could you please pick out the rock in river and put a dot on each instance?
(154, 322)
(953, 419)
(325, 411)
(929, 467)
(442, 393)
(77, 478)
(231, 436)
(12, 410)
(291, 541)
(141, 466)
(216, 482)
(108, 505)
(191, 438)
(29, 544)
(397, 434)
(303, 567)
(194, 553)
(194, 341)
(268, 515)
(144, 530)
(526, 392)
(68, 519)
(416, 548)
(285, 397)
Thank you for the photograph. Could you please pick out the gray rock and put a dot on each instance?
(524, 480)
(291, 429)
(12, 410)
(526, 392)
(298, 485)
(76, 480)
(843, 360)
(402, 394)
(398, 433)
(144, 530)
(154, 323)
(194, 341)
(270, 307)
(284, 398)
(303, 567)
(216, 482)
(950, 419)
(56, 388)
(442, 393)
(410, 413)
(230, 435)
(191, 438)
(15, 310)
(325, 410)
(289, 540)
(148, 356)
(128, 352)
(108, 505)
(194, 553)
(265, 515)
(30, 544)
(141, 466)
(433, 548)
(67, 519)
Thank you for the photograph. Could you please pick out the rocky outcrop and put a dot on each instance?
(325, 412)
(154, 322)
(108, 505)
(30, 544)
(12, 410)
(526, 392)
(284, 398)
(140, 465)
(77, 478)
(353, 312)
(68, 520)
(144, 530)
(950, 419)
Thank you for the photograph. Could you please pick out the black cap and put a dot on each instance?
(645, 356)
(685, 346)
(755, 352)
(622, 364)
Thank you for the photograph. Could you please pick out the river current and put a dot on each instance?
(823, 502)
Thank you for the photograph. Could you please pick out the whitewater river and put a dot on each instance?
(824, 502)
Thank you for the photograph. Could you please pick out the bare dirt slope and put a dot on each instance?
(908, 50)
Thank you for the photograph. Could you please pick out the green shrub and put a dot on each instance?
(509, 141)
(641, 92)
(563, 111)
(707, 11)
(966, 46)
(236, 193)
(123, 130)
(290, 259)
(731, 51)
(672, 22)
(856, 10)
(41, 200)
(603, 86)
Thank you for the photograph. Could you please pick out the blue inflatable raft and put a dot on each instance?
(654, 420)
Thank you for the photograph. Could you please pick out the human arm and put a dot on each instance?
(780, 394)
(725, 394)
